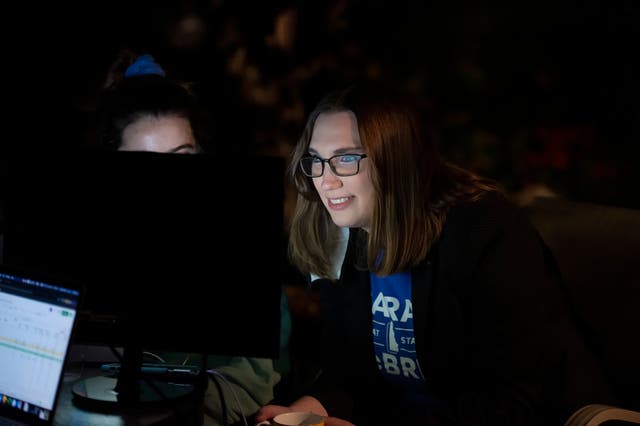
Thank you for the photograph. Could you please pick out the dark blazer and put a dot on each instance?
(494, 337)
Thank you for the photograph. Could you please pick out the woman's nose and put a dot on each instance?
(329, 180)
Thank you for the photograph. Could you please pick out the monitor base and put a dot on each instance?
(100, 393)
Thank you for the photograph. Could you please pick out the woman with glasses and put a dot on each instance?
(439, 303)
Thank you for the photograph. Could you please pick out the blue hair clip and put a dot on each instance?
(144, 64)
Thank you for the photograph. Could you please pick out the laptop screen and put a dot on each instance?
(37, 318)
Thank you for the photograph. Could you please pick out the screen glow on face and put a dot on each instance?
(167, 134)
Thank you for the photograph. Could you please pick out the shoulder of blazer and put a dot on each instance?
(471, 228)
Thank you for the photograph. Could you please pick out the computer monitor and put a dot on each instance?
(177, 252)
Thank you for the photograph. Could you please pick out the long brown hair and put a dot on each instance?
(414, 187)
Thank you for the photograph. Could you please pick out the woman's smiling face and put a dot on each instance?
(349, 199)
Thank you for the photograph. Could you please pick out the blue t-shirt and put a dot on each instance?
(393, 336)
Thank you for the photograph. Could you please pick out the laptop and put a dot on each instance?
(37, 321)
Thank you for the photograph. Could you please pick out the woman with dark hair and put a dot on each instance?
(143, 110)
(439, 303)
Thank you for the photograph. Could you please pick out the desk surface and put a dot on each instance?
(69, 413)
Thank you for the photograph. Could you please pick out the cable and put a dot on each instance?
(233, 392)
(155, 356)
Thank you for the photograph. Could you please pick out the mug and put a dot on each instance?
(296, 418)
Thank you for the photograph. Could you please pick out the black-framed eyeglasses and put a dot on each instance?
(341, 165)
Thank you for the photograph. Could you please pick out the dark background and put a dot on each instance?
(525, 92)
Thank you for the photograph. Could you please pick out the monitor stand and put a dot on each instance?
(130, 389)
